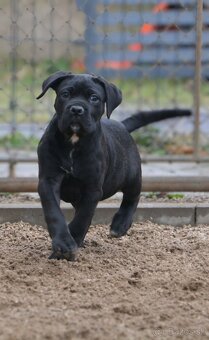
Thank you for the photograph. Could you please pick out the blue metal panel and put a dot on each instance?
(146, 2)
(108, 39)
(153, 56)
(150, 72)
(165, 38)
(179, 18)
(89, 8)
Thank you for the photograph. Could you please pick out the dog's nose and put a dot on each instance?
(76, 110)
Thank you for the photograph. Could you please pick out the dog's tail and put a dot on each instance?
(143, 118)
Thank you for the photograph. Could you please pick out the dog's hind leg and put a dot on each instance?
(123, 219)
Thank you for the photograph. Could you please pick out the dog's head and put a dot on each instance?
(80, 100)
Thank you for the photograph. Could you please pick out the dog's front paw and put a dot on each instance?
(64, 248)
(119, 228)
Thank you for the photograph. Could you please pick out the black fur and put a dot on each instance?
(84, 158)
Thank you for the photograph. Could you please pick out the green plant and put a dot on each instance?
(149, 140)
(48, 66)
(18, 141)
(175, 196)
(151, 195)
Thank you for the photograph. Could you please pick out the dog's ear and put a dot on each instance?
(52, 81)
(113, 95)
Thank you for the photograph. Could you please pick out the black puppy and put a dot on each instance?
(84, 159)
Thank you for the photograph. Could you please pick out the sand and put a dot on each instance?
(151, 284)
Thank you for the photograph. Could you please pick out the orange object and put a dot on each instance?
(162, 7)
(116, 65)
(78, 65)
(135, 47)
(147, 28)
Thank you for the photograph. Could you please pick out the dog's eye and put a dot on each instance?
(94, 98)
(65, 94)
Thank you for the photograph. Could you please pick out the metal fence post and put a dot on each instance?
(89, 8)
(13, 58)
(33, 65)
(197, 79)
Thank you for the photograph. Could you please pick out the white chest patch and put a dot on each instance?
(74, 139)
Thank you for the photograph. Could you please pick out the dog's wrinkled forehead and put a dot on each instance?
(82, 84)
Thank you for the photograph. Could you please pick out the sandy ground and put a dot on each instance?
(151, 284)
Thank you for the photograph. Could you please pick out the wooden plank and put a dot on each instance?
(131, 18)
(155, 183)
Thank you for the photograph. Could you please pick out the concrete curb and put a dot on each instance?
(161, 213)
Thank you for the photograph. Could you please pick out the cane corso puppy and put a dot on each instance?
(84, 158)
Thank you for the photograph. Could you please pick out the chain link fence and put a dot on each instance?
(157, 52)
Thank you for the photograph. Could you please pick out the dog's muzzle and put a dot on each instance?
(75, 127)
(72, 119)
(76, 110)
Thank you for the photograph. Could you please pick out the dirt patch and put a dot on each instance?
(18, 198)
(151, 284)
